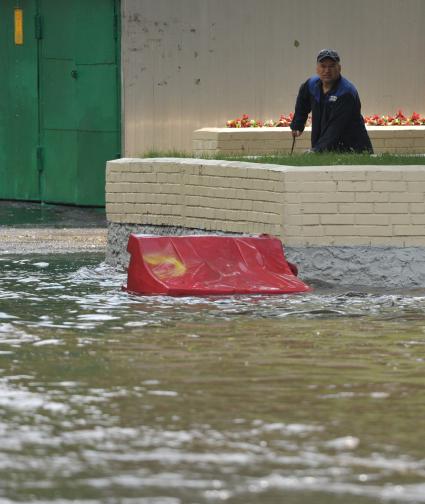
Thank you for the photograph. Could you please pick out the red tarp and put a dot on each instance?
(209, 265)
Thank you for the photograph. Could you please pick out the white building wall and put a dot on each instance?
(189, 64)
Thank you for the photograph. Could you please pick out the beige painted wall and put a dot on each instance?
(189, 64)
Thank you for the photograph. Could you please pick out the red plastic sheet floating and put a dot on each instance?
(209, 265)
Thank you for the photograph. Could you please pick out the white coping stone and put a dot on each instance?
(266, 166)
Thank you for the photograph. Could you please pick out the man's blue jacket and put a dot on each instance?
(337, 124)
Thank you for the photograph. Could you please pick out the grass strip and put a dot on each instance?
(322, 159)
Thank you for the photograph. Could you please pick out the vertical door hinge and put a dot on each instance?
(38, 27)
(40, 158)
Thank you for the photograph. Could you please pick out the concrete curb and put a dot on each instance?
(52, 240)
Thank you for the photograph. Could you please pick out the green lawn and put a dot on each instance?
(323, 159)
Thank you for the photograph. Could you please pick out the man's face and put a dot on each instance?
(328, 70)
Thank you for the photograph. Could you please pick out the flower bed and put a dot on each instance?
(398, 119)
(245, 122)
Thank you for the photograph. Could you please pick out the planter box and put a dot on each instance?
(254, 141)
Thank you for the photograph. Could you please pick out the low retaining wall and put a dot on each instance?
(347, 224)
(254, 141)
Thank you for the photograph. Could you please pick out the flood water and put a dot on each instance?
(110, 398)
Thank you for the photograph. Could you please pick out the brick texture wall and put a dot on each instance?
(393, 139)
(304, 206)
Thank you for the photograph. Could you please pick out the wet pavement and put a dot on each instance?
(25, 214)
(45, 228)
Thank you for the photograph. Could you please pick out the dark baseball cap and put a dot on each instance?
(327, 53)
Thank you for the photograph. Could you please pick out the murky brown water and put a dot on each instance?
(110, 398)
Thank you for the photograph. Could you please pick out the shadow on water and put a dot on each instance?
(109, 397)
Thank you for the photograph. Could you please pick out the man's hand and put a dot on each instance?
(296, 133)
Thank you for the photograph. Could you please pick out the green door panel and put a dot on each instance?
(91, 188)
(19, 177)
(98, 100)
(59, 181)
(81, 29)
(58, 95)
(58, 27)
(78, 98)
(96, 18)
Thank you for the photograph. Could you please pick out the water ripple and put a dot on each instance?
(114, 398)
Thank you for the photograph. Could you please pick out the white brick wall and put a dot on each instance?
(304, 206)
(250, 141)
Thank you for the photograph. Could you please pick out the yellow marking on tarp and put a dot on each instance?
(165, 266)
(19, 26)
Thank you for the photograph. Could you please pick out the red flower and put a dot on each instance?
(400, 115)
(399, 119)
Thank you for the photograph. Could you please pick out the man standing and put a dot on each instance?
(337, 124)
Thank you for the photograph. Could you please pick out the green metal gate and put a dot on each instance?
(19, 178)
(59, 99)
